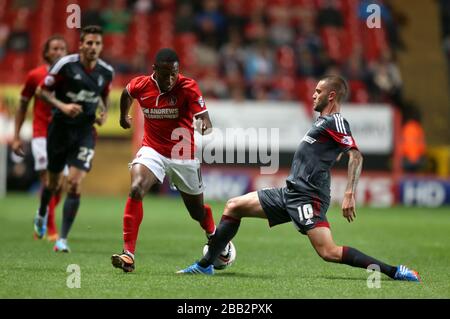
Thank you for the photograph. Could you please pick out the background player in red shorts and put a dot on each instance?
(170, 102)
(55, 47)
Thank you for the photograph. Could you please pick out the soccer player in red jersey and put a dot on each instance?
(170, 102)
(305, 199)
(55, 47)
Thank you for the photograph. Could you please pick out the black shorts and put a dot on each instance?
(70, 145)
(282, 205)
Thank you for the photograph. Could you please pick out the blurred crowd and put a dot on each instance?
(253, 49)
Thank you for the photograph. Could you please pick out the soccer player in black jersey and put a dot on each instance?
(81, 84)
(306, 197)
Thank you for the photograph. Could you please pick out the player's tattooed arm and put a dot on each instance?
(354, 171)
(203, 123)
(70, 109)
(125, 104)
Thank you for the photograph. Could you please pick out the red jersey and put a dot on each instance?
(42, 112)
(168, 116)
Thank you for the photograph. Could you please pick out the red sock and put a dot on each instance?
(57, 198)
(131, 221)
(51, 226)
(208, 222)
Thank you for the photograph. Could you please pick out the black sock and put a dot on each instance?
(46, 195)
(226, 230)
(355, 258)
(70, 210)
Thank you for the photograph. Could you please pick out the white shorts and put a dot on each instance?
(184, 174)
(39, 151)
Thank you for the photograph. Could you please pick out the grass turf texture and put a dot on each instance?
(275, 263)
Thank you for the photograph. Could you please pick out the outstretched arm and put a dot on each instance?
(354, 171)
(125, 104)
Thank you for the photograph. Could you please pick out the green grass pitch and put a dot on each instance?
(271, 263)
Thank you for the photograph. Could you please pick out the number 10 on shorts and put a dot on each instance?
(305, 212)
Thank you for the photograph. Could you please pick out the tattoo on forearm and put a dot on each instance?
(354, 171)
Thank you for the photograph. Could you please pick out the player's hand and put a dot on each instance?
(72, 109)
(348, 207)
(101, 119)
(125, 122)
(201, 127)
(17, 147)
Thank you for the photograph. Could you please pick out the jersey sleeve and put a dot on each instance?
(31, 83)
(195, 100)
(108, 86)
(136, 86)
(339, 130)
(54, 78)
(107, 89)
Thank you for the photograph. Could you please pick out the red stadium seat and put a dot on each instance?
(333, 40)
(286, 57)
(358, 92)
(374, 42)
(184, 44)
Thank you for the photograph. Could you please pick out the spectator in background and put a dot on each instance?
(329, 15)
(91, 15)
(309, 39)
(235, 17)
(236, 85)
(19, 36)
(256, 28)
(259, 70)
(4, 34)
(212, 85)
(413, 145)
(355, 67)
(232, 54)
(280, 31)
(259, 62)
(211, 24)
(142, 6)
(185, 18)
(116, 18)
(139, 63)
(387, 81)
(308, 65)
(19, 4)
(358, 76)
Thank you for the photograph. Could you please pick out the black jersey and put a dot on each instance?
(73, 83)
(317, 153)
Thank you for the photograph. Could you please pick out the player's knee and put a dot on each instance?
(137, 191)
(232, 208)
(329, 254)
(53, 186)
(73, 186)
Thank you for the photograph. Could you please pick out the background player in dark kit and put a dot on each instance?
(80, 82)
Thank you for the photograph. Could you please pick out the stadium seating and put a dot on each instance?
(147, 32)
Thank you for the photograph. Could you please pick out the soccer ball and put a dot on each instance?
(226, 258)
